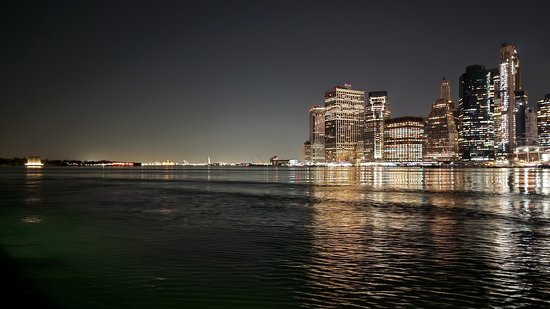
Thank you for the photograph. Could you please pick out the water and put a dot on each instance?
(275, 238)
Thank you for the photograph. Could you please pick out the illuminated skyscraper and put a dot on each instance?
(306, 150)
(441, 133)
(476, 137)
(530, 127)
(510, 82)
(520, 117)
(317, 134)
(376, 112)
(404, 139)
(344, 124)
(445, 90)
(543, 120)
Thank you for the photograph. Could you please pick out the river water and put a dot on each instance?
(258, 237)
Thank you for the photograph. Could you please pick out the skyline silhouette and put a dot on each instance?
(145, 81)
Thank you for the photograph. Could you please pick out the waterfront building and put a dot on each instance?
(510, 82)
(532, 155)
(276, 161)
(476, 138)
(376, 112)
(33, 162)
(531, 134)
(441, 132)
(317, 135)
(404, 139)
(521, 117)
(543, 121)
(344, 124)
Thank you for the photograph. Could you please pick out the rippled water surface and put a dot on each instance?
(275, 238)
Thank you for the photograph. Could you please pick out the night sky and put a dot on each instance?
(234, 80)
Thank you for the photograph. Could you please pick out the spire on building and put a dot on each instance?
(445, 90)
(440, 128)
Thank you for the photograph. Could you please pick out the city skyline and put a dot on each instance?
(147, 82)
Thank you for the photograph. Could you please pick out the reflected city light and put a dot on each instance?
(373, 221)
(33, 184)
(373, 178)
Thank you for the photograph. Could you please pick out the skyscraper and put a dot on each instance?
(441, 132)
(520, 117)
(317, 134)
(445, 90)
(543, 120)
(344, 124)
(376, 112)
(404, 139)
(530, 127)
(475, 114)
(510, 82)
(306, 150)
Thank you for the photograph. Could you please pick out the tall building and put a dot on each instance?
(543, 121)
(531, 134)
(441, 132)
(376, 112)
(476, 139)
(404, 139)
(317, 134)
(306, 151)
(520, 111)
(496, 99)
(510, 82)
(344, 124)
(445, 90)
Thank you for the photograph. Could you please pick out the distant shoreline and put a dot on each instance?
(302, 167)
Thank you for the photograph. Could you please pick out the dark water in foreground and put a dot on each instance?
(275, 238)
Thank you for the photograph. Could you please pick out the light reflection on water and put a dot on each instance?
(280, 237)
(503, 180)
(33, 181)
(479, 241)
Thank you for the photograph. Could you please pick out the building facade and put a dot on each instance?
(510, 82)
(445, 90)
(376, 113)
(476, 137)
(317, 134)
(344, 124)
(404, 139)
(440, 128)
(306, 151)
(520, 115)
(531, 133)
(543, 121)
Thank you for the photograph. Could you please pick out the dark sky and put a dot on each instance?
(234, 80)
